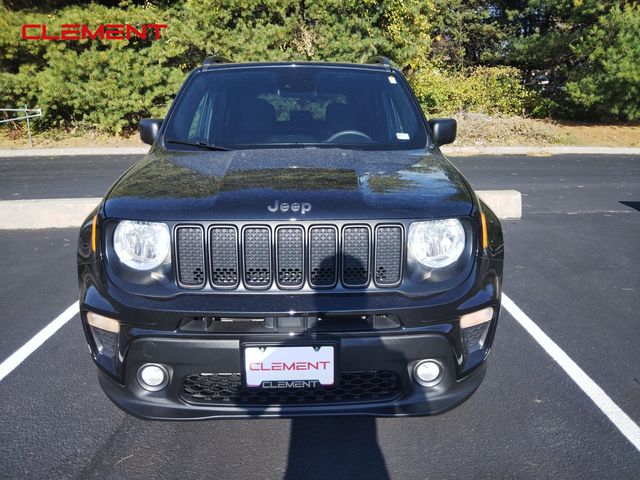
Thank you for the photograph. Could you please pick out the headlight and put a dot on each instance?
(142, 245)
(436, 243)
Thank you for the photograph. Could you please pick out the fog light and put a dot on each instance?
(428, 373)
(476, 318)
(153, 377)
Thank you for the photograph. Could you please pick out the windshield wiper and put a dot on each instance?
(208, 146)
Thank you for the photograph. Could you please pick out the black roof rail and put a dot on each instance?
(382, 61)
(214, 60)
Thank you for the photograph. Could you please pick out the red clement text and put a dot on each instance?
(108, 31)
(281, 366)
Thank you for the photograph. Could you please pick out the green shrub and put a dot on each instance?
(490, 90)
(103, 85)
(108, 86)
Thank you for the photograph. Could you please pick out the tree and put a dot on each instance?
(465, 33)
(608, 80)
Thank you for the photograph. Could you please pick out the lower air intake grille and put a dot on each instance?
(354, 387)
(388, 256)
(257, 256)
(190, 256)
(223, 250)
(474, 336)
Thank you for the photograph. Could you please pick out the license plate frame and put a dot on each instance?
(250, 382)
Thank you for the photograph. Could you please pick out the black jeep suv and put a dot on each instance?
(294, 243)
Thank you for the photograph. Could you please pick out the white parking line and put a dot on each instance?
(620, 419)
(38, 339)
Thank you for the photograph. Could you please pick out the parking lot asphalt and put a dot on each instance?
(571, 264)
(74, 176)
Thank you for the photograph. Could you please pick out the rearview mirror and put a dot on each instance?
(148, 128)
(444, 130)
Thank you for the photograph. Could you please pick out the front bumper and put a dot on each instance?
(392, 353)
(430, 329)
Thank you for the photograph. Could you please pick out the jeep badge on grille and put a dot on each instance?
(302, 207)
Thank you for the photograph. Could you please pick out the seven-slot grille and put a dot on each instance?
(289, 256)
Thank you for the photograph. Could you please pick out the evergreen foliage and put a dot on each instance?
(572, 58)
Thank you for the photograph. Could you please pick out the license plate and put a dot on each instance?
(289, 367)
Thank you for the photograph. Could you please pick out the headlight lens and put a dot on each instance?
(436, 243)
(142, 245)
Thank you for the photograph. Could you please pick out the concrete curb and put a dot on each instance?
(45, 213)
(447, 149)
(506, 204)
(539, 151)
(56, 152)
(71, 212)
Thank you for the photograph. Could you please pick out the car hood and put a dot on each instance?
(263, 184)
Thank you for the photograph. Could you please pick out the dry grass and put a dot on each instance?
(17, 138)
(614, 135)
(476, 129)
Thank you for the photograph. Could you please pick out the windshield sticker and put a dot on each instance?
(402, 136)
(392, 79)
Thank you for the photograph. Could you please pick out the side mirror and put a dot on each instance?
(444, 130)
(148, 128)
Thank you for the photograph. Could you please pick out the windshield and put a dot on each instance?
(288, 106)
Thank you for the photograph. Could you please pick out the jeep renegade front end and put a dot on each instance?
(294, 243)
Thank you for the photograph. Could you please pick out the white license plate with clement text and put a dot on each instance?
(289, 367)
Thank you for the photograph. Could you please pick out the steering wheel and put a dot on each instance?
(342, 133)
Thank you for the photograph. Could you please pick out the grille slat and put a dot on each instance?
(257, 257)
(190, 256)
(323, 256)
(355, 256)
(290, 256)
(223, 251)
(388, 255)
